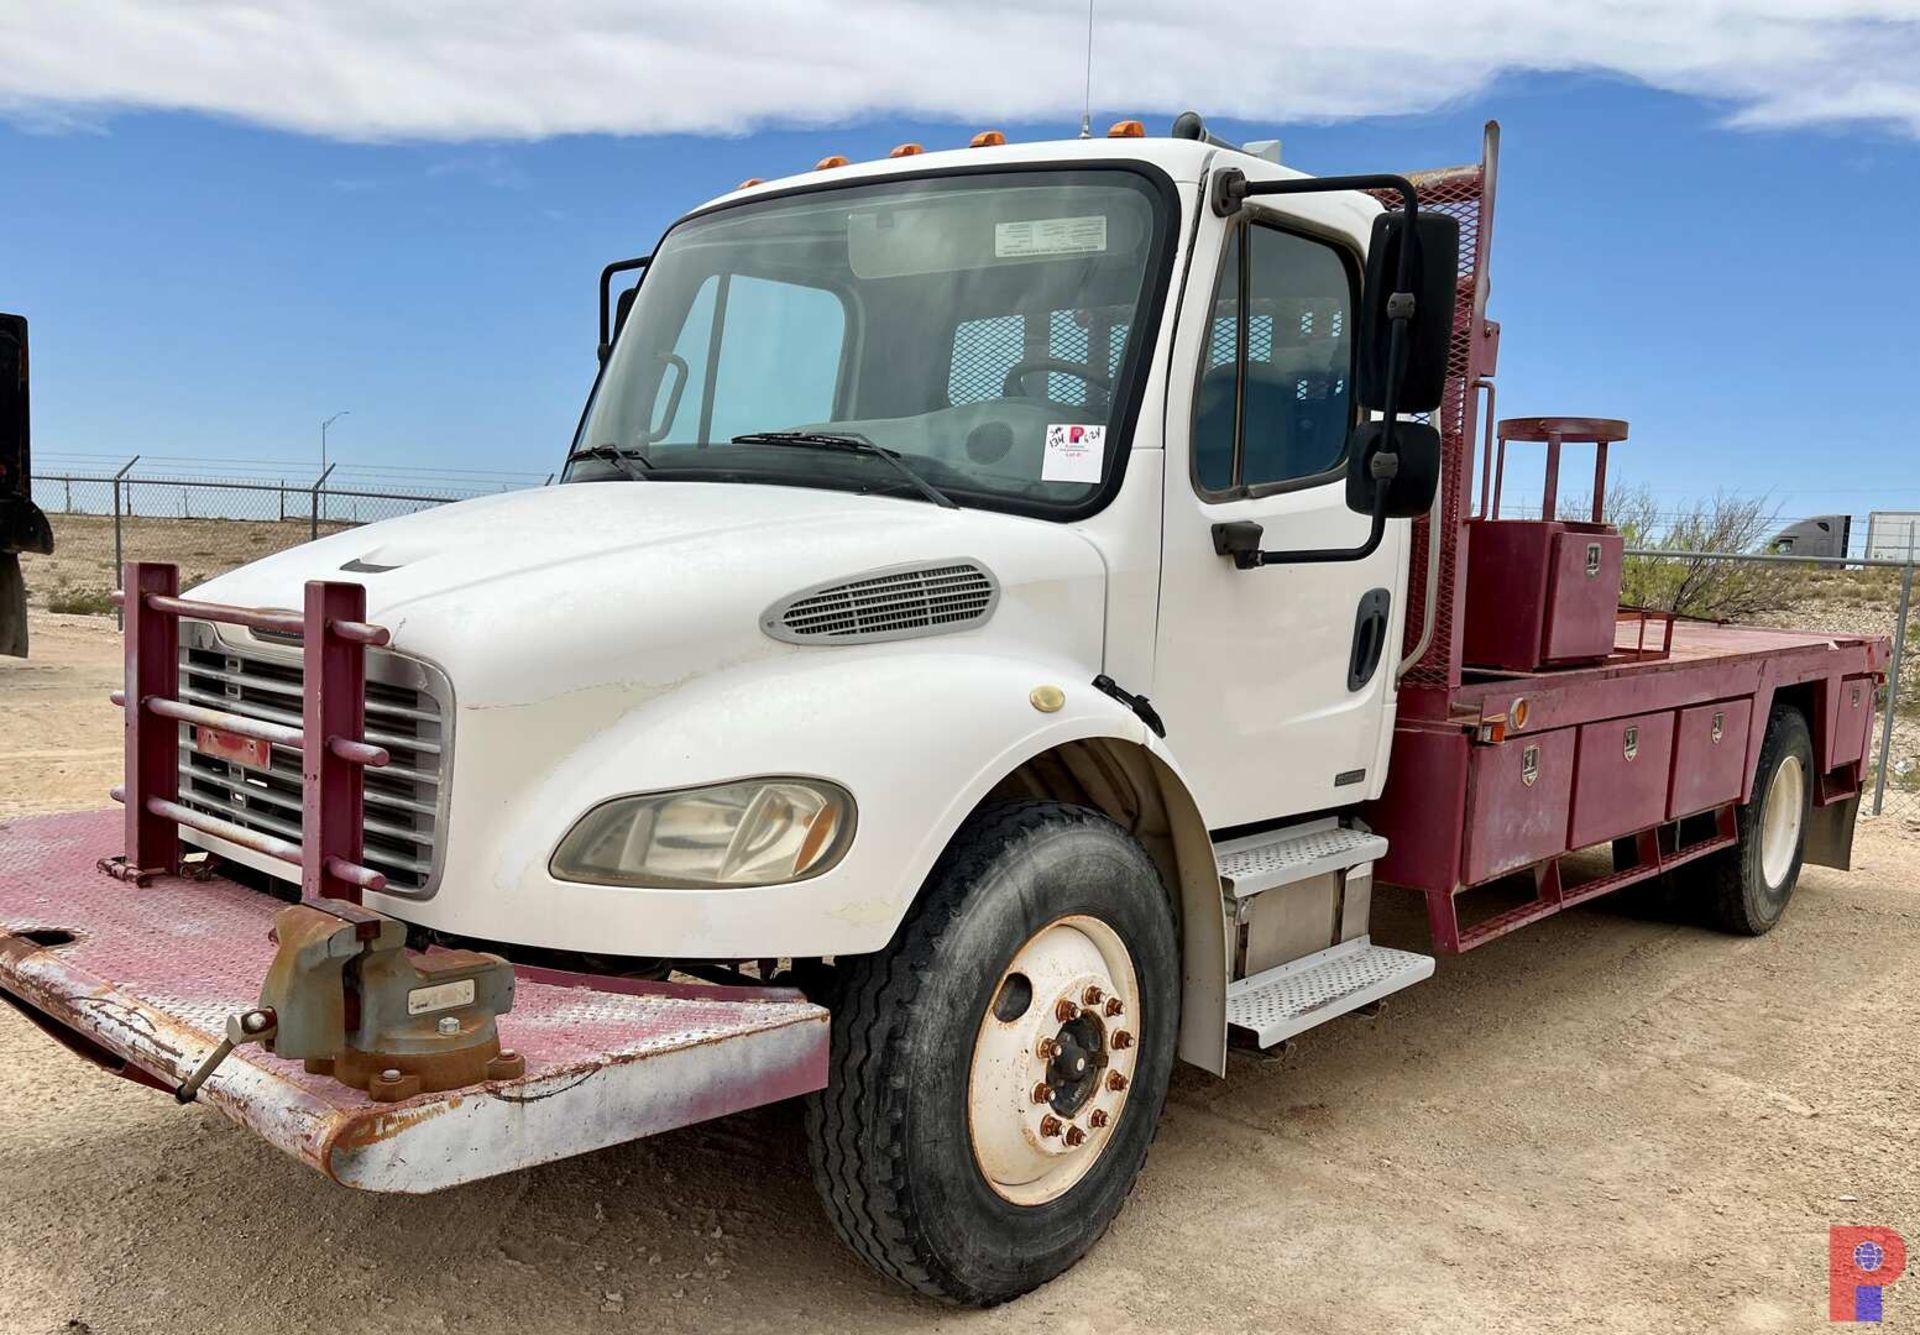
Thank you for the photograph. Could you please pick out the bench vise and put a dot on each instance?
(344, 997)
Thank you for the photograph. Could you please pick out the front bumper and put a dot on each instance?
(141, 979)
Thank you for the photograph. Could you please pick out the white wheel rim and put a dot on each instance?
(1780, 821)
(1085, 997)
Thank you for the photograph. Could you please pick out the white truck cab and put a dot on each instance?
(895, 610)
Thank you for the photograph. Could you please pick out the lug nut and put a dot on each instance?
(1093, 996)
(1049, 1126)
(449, 1025)
(1097, 1118)
(1043, 1093)
(1113, 1006)
(1121, 1039)
(1115, 1081)
(1065, 1011)
(1047, 1049)
(1076, 1137)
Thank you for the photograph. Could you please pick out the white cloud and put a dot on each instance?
(509, 69)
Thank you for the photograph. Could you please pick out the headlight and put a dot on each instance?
(754, 832)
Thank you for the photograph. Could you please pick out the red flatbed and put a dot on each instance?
(1506, 772)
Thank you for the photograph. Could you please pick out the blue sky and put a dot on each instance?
(203, 287)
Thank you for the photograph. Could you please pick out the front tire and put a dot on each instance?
(998, 1072)
(1749, 885)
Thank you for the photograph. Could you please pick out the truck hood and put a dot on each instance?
(643, 585)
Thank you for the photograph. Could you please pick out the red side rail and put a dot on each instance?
(334, 638)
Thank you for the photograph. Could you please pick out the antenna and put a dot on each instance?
(1086, 105)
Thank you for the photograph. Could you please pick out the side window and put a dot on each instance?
(1297, 405)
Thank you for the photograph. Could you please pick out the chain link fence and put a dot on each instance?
(1832, 595)
(206, 526)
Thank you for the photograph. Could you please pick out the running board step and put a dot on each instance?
(1298, 995)
(1283, 857)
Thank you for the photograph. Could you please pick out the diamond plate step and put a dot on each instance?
(1262, 861)
(1295, 997)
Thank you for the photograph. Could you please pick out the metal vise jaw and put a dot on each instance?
(350, 1002)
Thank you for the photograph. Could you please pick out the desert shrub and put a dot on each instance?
(86, 602)
(1698, 586)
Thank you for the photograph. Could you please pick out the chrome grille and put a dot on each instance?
(894, 604)
(409, 709)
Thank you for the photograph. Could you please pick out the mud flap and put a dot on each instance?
(146, 975)
(1830, 834)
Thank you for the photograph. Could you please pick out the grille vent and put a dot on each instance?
(900, 603)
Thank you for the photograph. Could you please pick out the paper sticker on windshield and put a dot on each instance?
(1050, 236)
(1074, 453)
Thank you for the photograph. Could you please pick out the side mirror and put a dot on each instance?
(608, 325)
(1415, 479)
(1429, 337)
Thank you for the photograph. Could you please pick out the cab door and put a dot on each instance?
(1276, 683)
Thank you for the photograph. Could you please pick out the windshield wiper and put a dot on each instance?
(620, 456)
(826, 440)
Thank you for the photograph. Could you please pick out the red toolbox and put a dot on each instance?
(1544, 592)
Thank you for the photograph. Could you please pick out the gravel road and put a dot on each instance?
(1598, 1124)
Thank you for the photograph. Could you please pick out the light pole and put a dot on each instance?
(323, 436)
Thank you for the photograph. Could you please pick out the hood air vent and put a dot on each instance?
(898, 603)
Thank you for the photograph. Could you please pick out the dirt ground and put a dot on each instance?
(1598, 1124)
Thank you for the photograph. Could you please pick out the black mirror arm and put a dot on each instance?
(1230, 189)
(606, 298)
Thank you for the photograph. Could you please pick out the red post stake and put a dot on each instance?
(334, 707)
(152, 643)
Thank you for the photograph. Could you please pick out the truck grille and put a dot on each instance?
(409, 710)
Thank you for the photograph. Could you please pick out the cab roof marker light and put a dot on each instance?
(987, 139)
(831, 160)
(1126, 130)
(905, 150)
(749, 183)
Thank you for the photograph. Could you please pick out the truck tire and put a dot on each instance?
(1748, 885)
(999, 1070)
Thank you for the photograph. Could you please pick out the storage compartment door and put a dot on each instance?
(1850, 722)
(1583, 595)
(1517, 803)
(1625, 764)
(1709, 757)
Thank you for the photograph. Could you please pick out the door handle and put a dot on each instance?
(1369, 637)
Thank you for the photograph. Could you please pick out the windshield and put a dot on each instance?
(985, 327)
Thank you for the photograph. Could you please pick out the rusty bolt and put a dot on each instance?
(391, 1074)
(1043, 1093)
(1122, 1039)
(1050, 1125)
(1115, 1081)
(1093, 996)
(1098, 1118)
(1113, 1006)
(1065, 1011)
(1047, 1049)
(449, 1025)
(1076, 1137)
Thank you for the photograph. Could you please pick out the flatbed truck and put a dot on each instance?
(1004, 610)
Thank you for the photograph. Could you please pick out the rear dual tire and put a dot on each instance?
(937, 1158)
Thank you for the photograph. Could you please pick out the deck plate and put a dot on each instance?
(151, 973)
